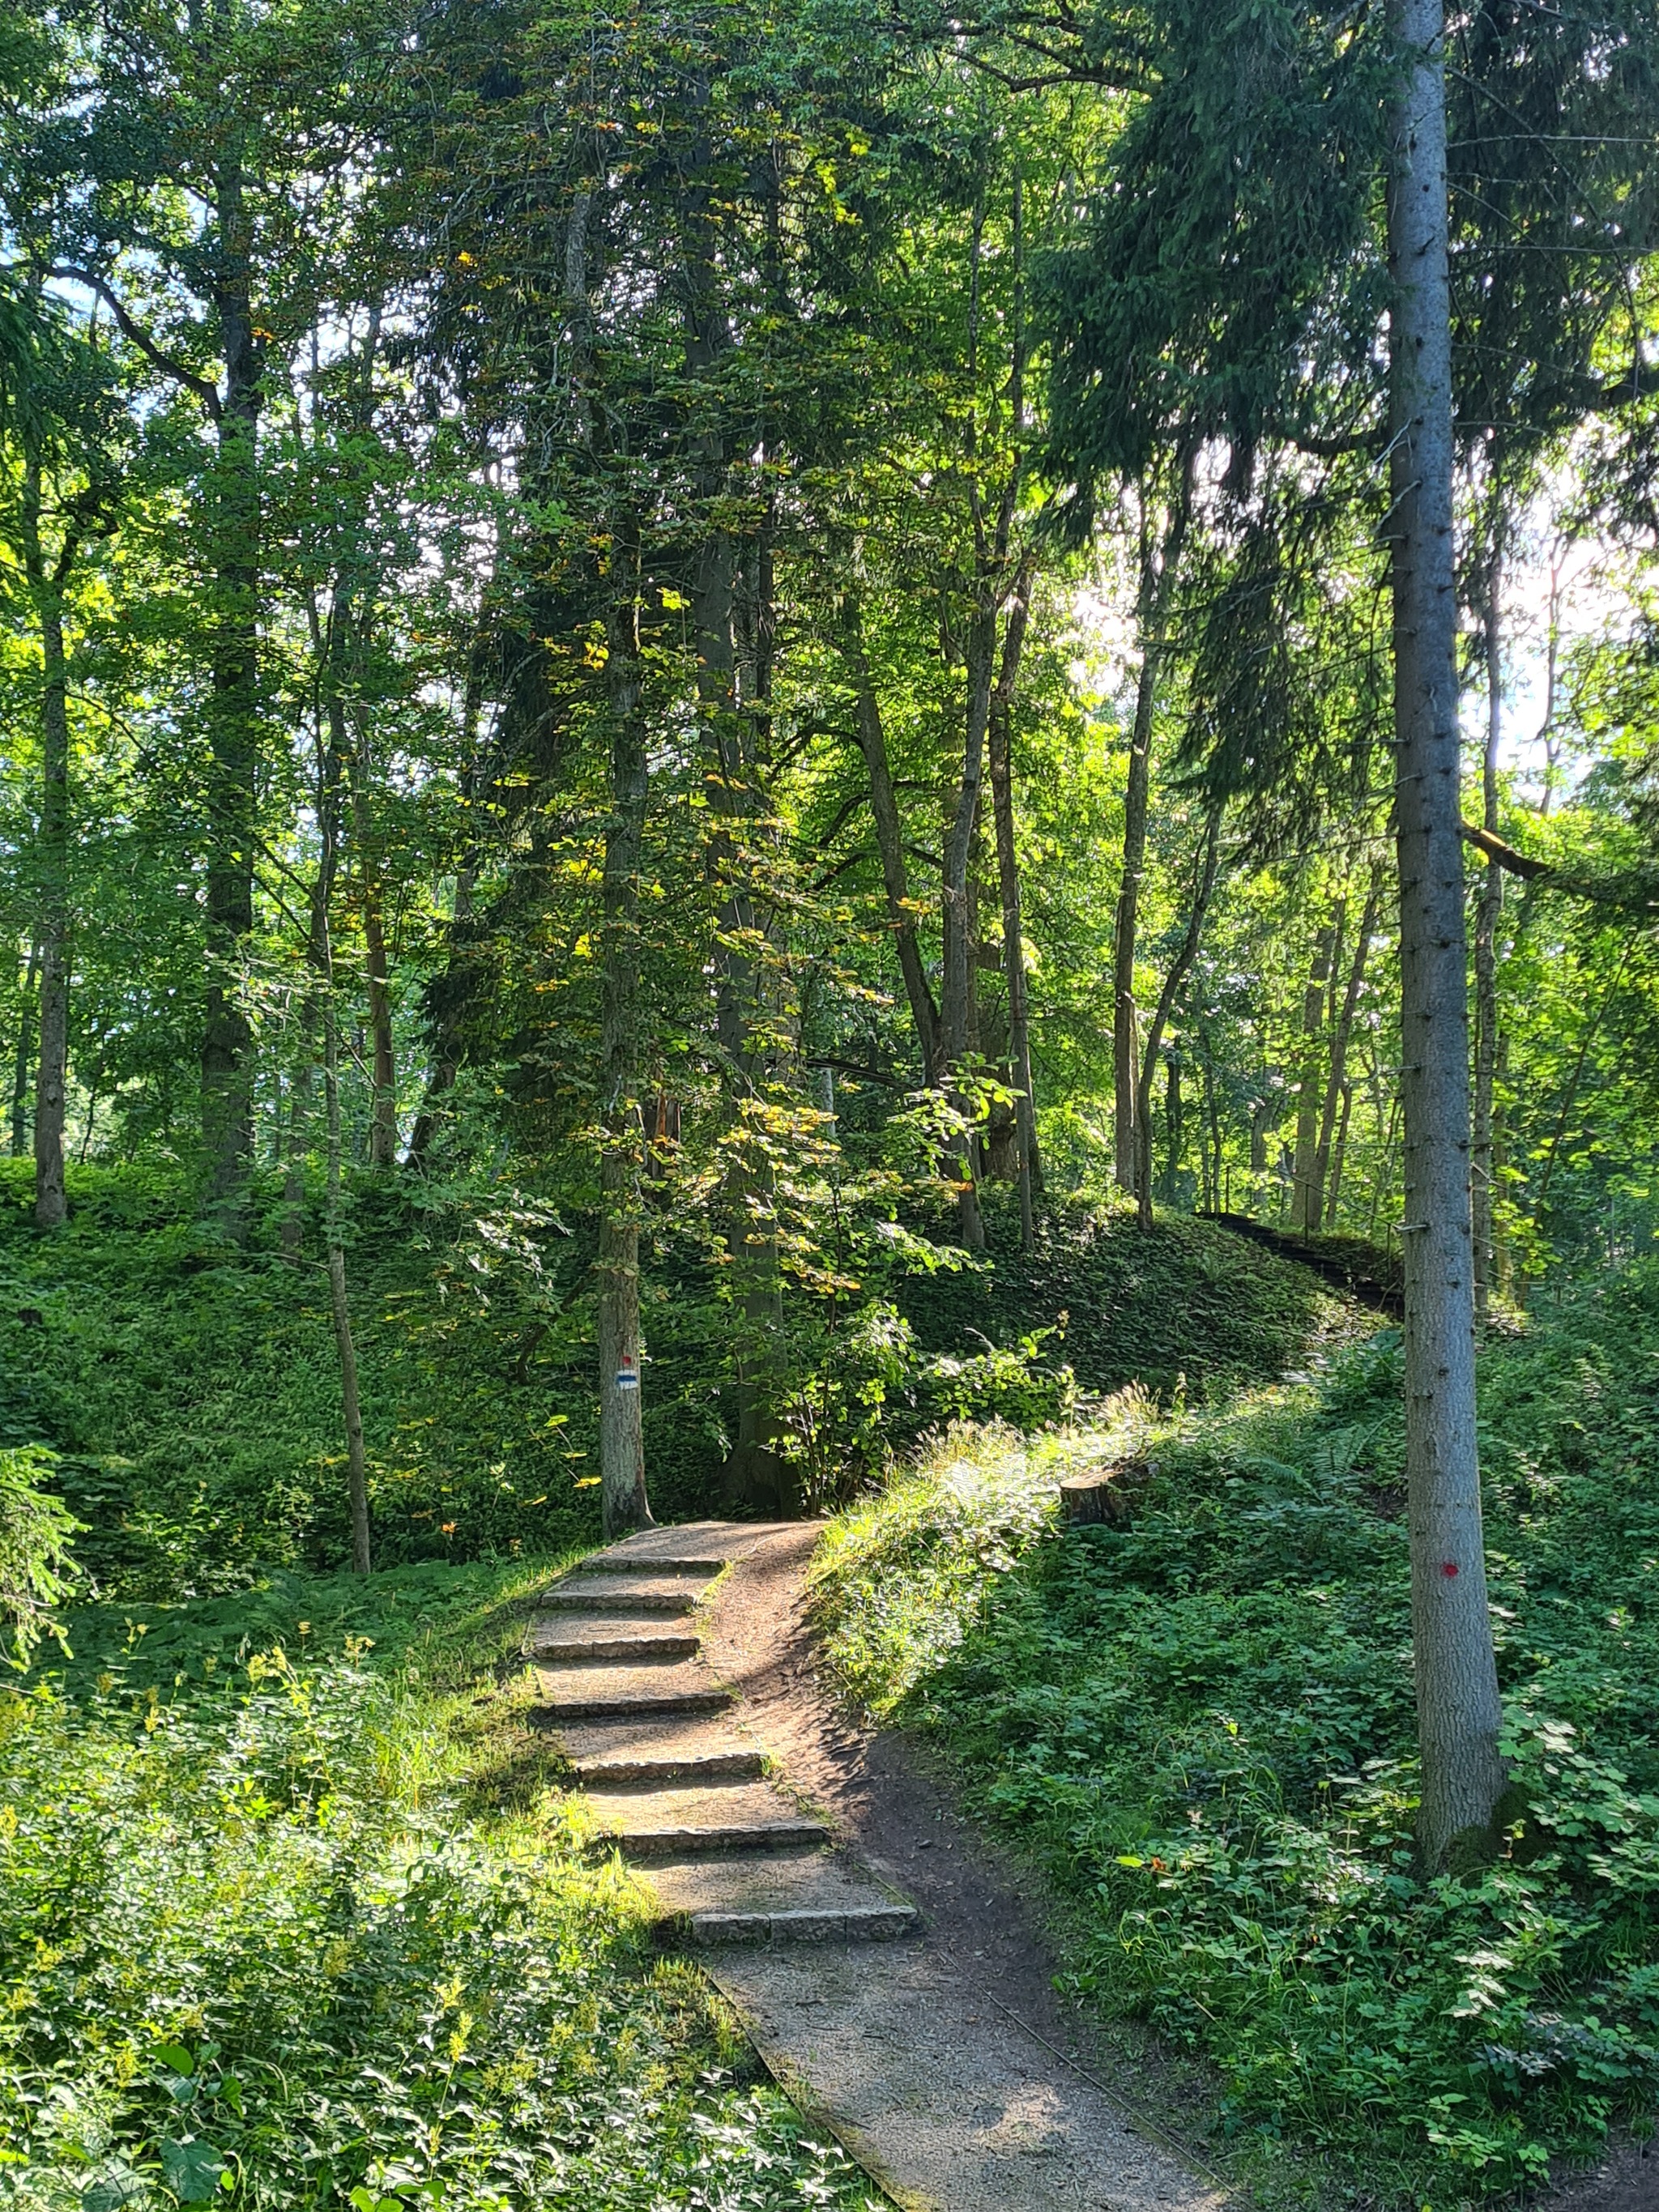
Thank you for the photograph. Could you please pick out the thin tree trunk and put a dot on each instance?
(445, 1022)
(1303, 1211)
(1176, 1127)
(956, 984)
(356, 1465)
(383, 1112)
(232, 770)
(1013, 947)
(1339, 1157)
(47, 582)
(293, 1172)
(622, 1442)
(1457, 1701)
(1177, 975)
(1323, 1207)
(1487, 916)
(1159, 568)
(889, 843)
(24, 1059)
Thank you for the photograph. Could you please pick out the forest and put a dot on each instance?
(769, 762)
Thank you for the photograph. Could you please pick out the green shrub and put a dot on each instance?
(1202, 1719)
(296, 1932)
(36, 1572)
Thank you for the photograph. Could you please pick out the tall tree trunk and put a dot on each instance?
(890, 842)
(383, 1110)
(1014, 945)
(1339, 1157)
(23, 1061)
(1487, 916)
(957, 920)
(622, 1443)
(622, 1501)
(351, 1405)
(293, 1171)
(443, 1017)
(233, 747)
(1337, 1090)
(1159, 564)
(1457, 1701)
(1304, 1205)
(1203, 887)
(47, 581)
(330, 773)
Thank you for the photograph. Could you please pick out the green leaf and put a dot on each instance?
(192, 2169)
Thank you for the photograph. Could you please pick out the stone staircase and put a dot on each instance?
(678, 1785)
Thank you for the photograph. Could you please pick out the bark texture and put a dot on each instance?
(622, 1498)
(1457, 1700)
(1488, 917)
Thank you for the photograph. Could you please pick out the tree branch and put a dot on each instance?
(136, 333)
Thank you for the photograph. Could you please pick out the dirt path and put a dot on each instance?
(949, 2062)
(884, 1964)
(890, 1965)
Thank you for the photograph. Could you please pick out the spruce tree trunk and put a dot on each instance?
(1013, 947)
(47, 582)
(622, 1498)
(1487, 917)
(233, 747)
(1457, 1700)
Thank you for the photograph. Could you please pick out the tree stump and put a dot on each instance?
(1086, 1501)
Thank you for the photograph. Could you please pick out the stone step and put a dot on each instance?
(695, 1547)
(654, 1754)
(643, 1594)
(596, 1637)
(655, 1563)
(625, 1693)
(820, 1898)
(687, 1823)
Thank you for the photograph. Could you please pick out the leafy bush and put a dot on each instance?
(1202, 1719)
(36, 1571)
(294, 1932)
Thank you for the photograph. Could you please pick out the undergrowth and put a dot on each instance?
(292, 1917)
(1200, 1717)
(190, 1387)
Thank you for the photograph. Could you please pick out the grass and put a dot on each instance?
(293, 1913)
(191, 1388)
(1199, 1719)
(1191, 1307)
